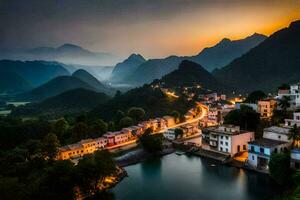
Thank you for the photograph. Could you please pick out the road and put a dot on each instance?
(130, 144)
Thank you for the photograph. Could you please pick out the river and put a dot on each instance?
(175, 177)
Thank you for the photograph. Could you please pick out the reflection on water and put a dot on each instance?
(189, 178)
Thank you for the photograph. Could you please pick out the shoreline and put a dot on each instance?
(140, 155)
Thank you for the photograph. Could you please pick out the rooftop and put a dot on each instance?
(277, 129)
(263, 142)
(232, 130)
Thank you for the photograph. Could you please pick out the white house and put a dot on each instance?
(275, 140)
(295, 120)
(293, 93)
(229, 139)
(259, 152)
(277, 133)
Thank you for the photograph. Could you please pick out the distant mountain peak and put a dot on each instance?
(225, 40)
(69, 46)
(256, 36)
(295, 24)
(136, 57)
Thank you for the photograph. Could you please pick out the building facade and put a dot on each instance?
(266, 107)
(275, 140)
(229, 139)
(294, 121)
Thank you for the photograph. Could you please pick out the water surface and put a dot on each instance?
(191, 178)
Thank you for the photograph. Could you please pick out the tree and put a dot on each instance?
(295, 135)
(34, 148)
(151, 143)
(284, 86)
(136, 113)
(60, 127)
(80, 131)
(178, 132)
(118, 94)
(92, 169)
(279, 167)
(176, 115)
(125, 122)
(99, 128)
(284, 103)
(58, 182)
(245, 117)
(50, 146)
(111, 126)
(255, 96)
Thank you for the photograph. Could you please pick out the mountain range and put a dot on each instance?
(79, 79)
(70, 102)
(210, 58)
(66, 53)
(18, 76)
(273, 62)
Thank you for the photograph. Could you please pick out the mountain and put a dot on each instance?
(153, 69)
(11, 82)
(273, 62)
(69, 102)
(56, 86)
(191, 74)
(18, 76)
(226, 51)
(92, 81)
(155, 103)
(127, 67)
(210, 58)
(102, 73)
(66, 53)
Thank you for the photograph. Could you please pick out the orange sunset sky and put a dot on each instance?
(153, 28)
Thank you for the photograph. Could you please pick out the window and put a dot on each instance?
(244, 147)
(226, 143)
(226, 150)
(253, 158)
(221, 149)
(279, 136)
(226, 137)
(221, 142)
(221, 136)
(261, 150)
(252, 148)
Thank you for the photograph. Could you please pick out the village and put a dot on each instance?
(218, 141)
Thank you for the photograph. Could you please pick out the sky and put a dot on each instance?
(153, 28)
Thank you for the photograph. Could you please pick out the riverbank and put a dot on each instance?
(139, 155)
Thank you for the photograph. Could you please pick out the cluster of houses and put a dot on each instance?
(230, 140)
(275, 140)
(114, 139)
(188, 130)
